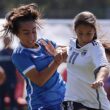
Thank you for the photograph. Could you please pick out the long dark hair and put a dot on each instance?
(18, 15)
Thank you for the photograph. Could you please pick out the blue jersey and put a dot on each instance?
(52, 92)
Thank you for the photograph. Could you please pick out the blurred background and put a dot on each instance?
(62, 9)
(57, 24)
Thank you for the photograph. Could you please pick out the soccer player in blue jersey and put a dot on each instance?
(44, 85)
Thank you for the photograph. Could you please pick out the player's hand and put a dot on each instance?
(58, 58)
(49, 47)
(97, 84)
(63, 51)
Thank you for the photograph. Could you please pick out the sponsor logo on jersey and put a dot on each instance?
(84, 52)
(34, 56)
(94, 43)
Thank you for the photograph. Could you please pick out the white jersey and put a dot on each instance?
(81, 65)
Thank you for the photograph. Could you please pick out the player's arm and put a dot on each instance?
(27, 68)
(40, 78)
(102, 74)
(100, 61)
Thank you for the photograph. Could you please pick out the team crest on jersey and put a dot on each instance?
(34, 56)
(84, 52)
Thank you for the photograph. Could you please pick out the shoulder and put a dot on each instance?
(96, 46)
(96, 43)
(18, 52)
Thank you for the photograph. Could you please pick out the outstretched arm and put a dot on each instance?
(101, 77)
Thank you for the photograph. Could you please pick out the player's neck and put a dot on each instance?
(77, 44)
(36, 45)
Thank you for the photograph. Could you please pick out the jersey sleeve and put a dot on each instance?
(23, 63)
(54, 44)
(98, 55)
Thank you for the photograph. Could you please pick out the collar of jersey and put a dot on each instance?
(32, 49)
(73, 44)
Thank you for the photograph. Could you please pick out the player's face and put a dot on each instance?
(85, 34)
(27, 33)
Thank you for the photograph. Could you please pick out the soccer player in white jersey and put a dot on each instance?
(87, 67)
(44, 85)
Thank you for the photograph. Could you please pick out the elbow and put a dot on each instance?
(107, 69)
(40, 81)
